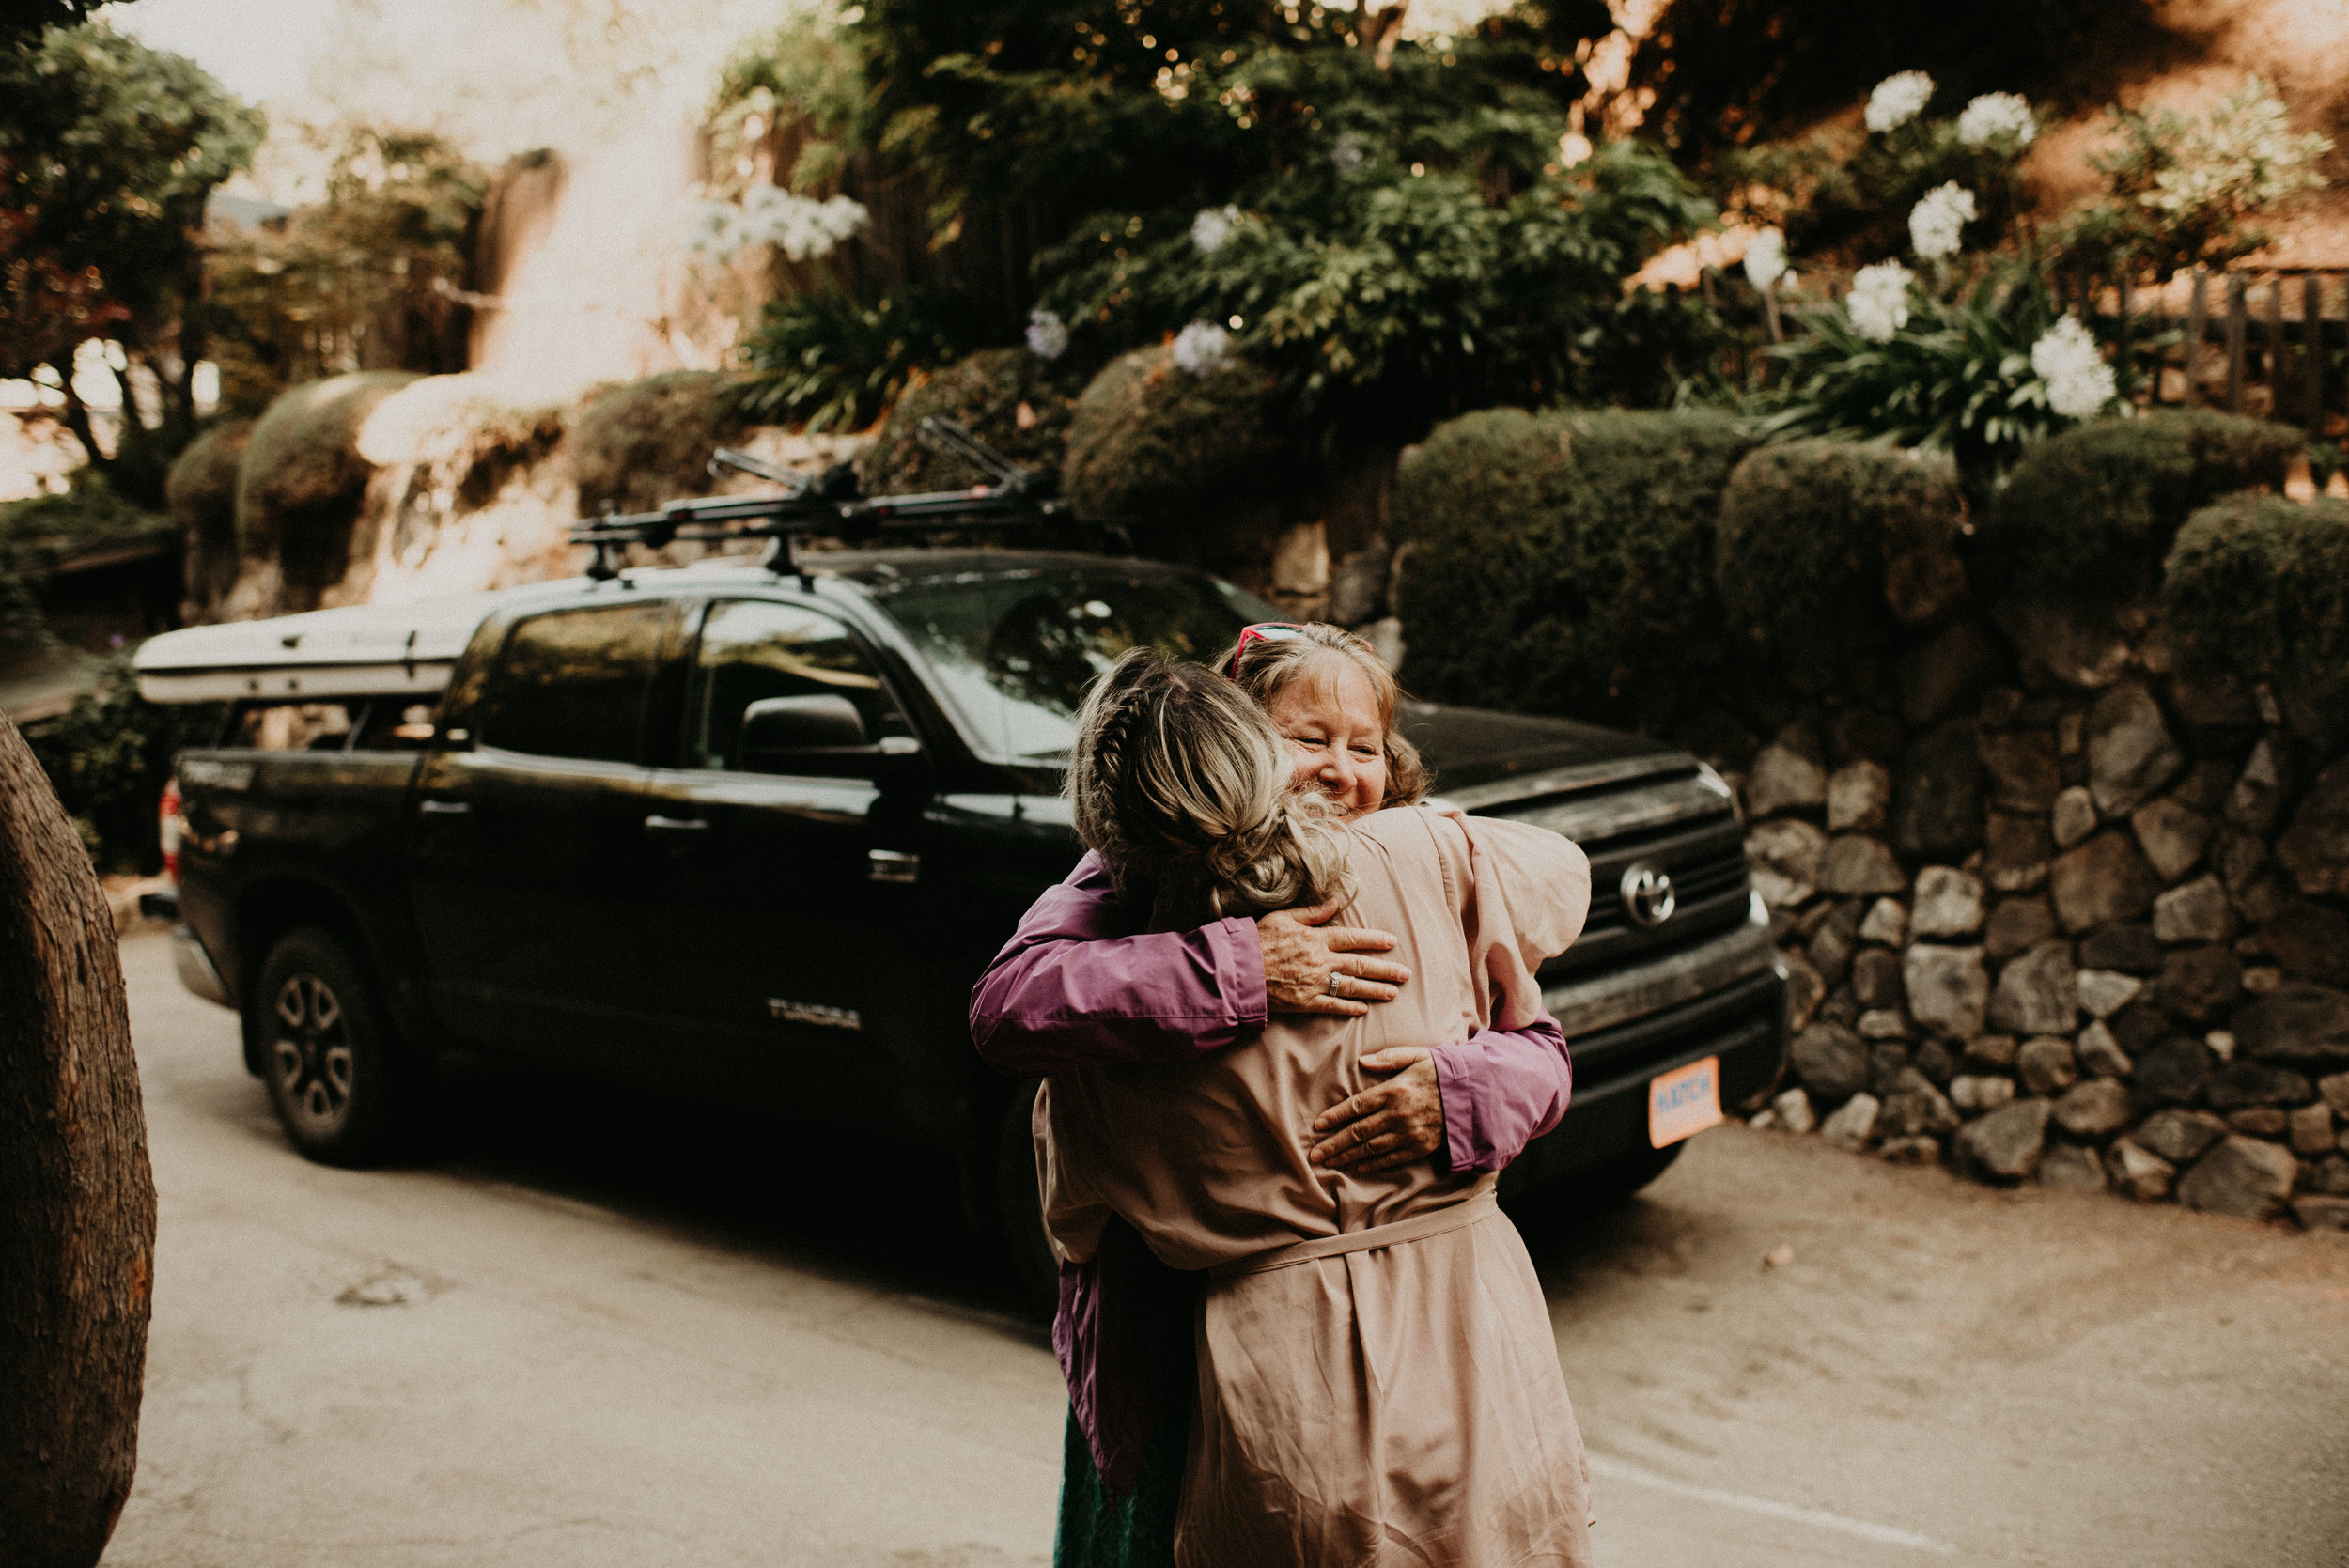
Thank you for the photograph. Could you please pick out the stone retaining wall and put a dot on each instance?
(2056, 912)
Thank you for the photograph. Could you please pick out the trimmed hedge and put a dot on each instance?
(1564, 562)
(2258, 587)
(1151, 445)
(302, 478)
(201, 491)
(986, 394)
(2098, 505)
(1811, 531)
(649, 442)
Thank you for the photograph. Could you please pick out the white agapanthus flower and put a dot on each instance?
(1878, 304)
(1997, 116)
(1937, 220)
(2079, 382)
(714, 230)
(1898, 99)
(798, 226)
(1212, 226)
(1766, 259)
(1048, 334)
(1202, 349)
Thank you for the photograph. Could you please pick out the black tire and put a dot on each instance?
(1620, 1179)
(345, 1087)
(1019, 1208)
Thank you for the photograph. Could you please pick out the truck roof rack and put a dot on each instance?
(831, 506)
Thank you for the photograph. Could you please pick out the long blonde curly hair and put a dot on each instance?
(1183, 787)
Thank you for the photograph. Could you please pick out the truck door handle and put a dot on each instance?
(443, 808)
(890, 866)
(675, 826)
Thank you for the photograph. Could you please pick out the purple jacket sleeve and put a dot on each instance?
(1501, 1091)
(1069, 990)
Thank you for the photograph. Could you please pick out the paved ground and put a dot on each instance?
(593, 1335)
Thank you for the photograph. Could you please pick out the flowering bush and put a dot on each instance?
(2079, 382)
(1939, 220)
(1845, 202)
(1202, 349)
(1766, 259)
(1897, 99)
(1878, 306)
(798, 226)
(1952, 375)
(2182, 193)
(1212, 226)
(1998, 119)
(1047, 336)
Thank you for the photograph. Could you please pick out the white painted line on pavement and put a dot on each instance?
(1615, 1469)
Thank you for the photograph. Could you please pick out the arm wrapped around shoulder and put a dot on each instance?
(1532, 892)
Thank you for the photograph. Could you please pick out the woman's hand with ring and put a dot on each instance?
(1389, 1125)
(1311, 967)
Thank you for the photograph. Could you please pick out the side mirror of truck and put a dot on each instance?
(820, 734)
(774, 724)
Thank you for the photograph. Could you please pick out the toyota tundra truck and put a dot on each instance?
(755, 831)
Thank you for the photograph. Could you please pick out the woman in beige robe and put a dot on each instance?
(1377, 1379)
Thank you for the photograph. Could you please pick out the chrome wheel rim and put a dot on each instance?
(311, 1055)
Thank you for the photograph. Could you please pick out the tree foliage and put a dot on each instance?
(368, 278)
(1748, 72)
(115, 149)
(1389, 225)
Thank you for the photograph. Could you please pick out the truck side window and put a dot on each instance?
(572, 684)
(295, 726)
(752, 649)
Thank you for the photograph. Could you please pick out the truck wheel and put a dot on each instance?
(1620, 1178)
(1019, 1208)
(342, 1083)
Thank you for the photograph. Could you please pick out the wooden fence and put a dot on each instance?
(2272, 342)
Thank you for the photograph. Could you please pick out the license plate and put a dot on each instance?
(1684, 1102)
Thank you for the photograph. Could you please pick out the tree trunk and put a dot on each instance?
(77, 415)
(77, 1202)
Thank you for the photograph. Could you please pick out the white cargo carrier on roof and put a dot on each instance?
(368, 650)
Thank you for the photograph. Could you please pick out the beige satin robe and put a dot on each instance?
(1390, 1403)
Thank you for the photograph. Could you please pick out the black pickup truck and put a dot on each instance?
(726, 829)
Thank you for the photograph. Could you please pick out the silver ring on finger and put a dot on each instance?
(1336, 975)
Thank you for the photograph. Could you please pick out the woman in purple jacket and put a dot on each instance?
(1082, 981)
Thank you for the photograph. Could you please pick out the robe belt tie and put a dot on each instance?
(1417, 1228)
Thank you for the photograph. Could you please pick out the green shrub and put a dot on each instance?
(1156, 447)
(2258, 587)
(992, 392)
(1563, 562)
(107, 758)
(201, 493)
(300, 481)
(649, 441)
(2097, 506)
(830, 359)
(1810, 529)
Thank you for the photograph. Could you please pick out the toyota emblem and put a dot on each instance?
(1647, 895)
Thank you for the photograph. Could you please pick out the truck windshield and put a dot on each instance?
(1013, 651)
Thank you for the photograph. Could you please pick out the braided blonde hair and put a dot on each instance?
(1180, 784)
